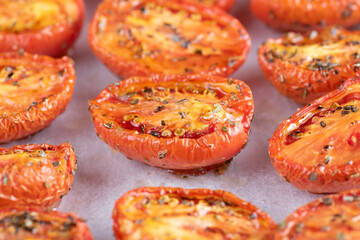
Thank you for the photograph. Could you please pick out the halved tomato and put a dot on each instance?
(223, 4)
(176, 213)
(175, 122)
(35, 223)
(38, 175)
(306, 14)
(140, 38)
(331, 217)
(317, 149)
(34, 90)
(306, 66)
(46, 27)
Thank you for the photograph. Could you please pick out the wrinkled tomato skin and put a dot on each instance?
(264, 224)
(181, 153)
(51, 41)
(22, 124)
(329, 217)
(315, 179)
(225, 4)
(32, 183)
(45, 224)
(304, 15)
(301, 84)
(124, 68)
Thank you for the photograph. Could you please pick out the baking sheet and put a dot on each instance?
(103, 175)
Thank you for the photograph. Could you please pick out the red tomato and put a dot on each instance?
(175, 122)
(140, 38)
(38, 175)
(306, 14)
(34, 90)
(34, 223)
(223, 4)
(46, 27)
(317, 148)
(306, 66)
(331, 217)
(176, 213)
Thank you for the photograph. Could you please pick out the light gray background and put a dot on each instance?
(104, 175)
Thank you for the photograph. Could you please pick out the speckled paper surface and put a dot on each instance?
(103, 175)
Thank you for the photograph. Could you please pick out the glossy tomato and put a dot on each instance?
(34, 90)
(176, 213)
(34, 223)
(317, 149)
(306, 66)
(331, 217)
(46, 27)
(175, 122)
(223, 4)
(306, 14)
(38, 175)
(140, 38)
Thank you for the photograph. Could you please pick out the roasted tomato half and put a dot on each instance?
(331, 217)
(176, 213)
(306, 66)
(223, 4)
(34, 223)
(140, 38)
(34, 90)
(317, 149)
(175, 122)
(38, 175)
(46, 27)
(306, 14)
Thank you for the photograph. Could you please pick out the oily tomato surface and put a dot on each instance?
(331, 217)
(34, 223)
(141, 38)
(37, 175)
(302, 15)
(175, 122)
(46, 27)
(34, 90)
(176, 213)
(223, 4)
(317, 149)
(306, 66)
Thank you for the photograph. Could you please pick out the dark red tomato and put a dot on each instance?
(306, 14)
(175, 122)
(140, 38)
(38, 175)
(35, 223)
(187, 214)
(46, 27)
(317, 149)
(331, 217)
(306, 66)
(34, 90)
(223, 4)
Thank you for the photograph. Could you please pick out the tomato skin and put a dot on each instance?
(143, 198)
(175, 152)
(301, 84)
(317, 179)
(37, 117)
(36, 223)
(304, 15)
(25, 182)
(225, 4)
(125, 68)
(329, 217)
(52, 41)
